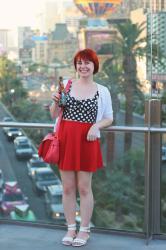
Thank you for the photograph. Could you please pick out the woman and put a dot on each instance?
(88, 109)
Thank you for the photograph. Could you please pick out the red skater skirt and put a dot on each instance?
(76, 152)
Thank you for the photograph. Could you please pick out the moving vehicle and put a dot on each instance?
(6, 119)
(21, 140)
(54, 206)
(23, 147)
(34, 163)
(163, 156)
(1, 180)
(22, 212)
(53, 201)
(12, 133)
(11, 196)
(44, 177)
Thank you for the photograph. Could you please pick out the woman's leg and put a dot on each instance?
(69, 197)
(84, 180)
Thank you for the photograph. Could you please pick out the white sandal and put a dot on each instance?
(79, 242)
(67, 240)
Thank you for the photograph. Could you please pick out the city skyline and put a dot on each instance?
(21, 12)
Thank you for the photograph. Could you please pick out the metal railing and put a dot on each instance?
(152, 133)
(143, 129)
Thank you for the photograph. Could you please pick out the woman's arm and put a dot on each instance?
(106, 120)
(104, 123)
(93, 131)
(54, 108)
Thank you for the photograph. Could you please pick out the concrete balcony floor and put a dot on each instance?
(16, 237)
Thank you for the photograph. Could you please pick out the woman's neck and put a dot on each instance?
(86, 81)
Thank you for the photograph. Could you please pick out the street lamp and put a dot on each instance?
(12, 91)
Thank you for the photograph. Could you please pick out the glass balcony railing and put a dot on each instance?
(121, 189)
(116, 208)
(129, 39)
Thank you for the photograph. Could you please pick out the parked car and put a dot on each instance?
(11, 196)
(6, 119)
(53, 201)
(23, 151)
(44, 177)
(163, 156)
(34, 163)
(1, 180)
(54, 206)
(22, 212)
(21, 140)
(12, 133)
(23, 147)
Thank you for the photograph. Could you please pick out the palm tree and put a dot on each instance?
(113, 75)
(127, 47)
(131, 45)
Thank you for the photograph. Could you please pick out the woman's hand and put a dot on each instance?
(55, 97)
(93, 133)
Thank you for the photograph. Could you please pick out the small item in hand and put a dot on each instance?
(49, 147)
(62, 92)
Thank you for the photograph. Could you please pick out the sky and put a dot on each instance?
(20, 12)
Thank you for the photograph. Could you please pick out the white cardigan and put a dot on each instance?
(104, 104)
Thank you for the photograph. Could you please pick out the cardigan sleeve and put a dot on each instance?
(108, 111)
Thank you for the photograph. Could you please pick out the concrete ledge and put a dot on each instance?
(17, 237)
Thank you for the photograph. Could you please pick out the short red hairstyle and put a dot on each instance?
(87, 54)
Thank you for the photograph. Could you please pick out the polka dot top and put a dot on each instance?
(81, 110)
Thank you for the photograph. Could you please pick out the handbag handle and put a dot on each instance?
(61, 111)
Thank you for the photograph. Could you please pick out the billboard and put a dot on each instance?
(94, 39)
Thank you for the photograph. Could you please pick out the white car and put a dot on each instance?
(6, 119)
(34, 163)
(23, 147)
(12, 133)
(21, 140)
(54, 206)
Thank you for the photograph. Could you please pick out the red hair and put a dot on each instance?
(87, 54)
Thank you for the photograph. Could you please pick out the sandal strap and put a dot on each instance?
(71, 227)
(85, 229)
(79, 240)
(67, 239)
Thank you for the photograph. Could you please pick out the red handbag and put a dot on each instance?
(49, 147)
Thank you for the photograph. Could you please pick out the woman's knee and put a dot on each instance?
(68, 181)
(69, 188)
(83, 189)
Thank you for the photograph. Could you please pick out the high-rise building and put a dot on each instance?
(72, 17)
(62, 45)
(139, 17)
(53, 13)
(158, 29)
(4, 38)
(25, 44)
(57, 51)
(155, 5)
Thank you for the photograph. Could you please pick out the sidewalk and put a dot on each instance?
(17, 237)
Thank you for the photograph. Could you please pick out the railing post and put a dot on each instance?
(152, 168)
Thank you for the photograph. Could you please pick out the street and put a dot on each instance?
(15, 170)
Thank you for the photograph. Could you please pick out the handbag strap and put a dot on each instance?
(61, 111)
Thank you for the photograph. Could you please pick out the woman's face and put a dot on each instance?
(85, 68)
